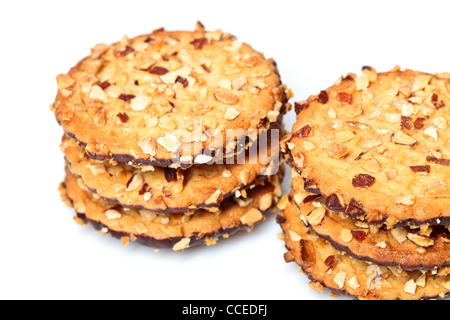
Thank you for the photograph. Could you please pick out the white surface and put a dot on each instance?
(44, 254)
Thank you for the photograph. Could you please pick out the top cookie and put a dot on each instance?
(378, 146)
(163, 98)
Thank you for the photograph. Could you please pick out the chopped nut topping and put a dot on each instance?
(406, 200)
(346, 235)
(353, 283)
(169, 142)
(339, 279)
(112, 214)
(303, 132)
(361, 83)
(135, 182)
(403, 139)
(273, 115)
(239, 83)
(372, 165)
(410, 287)
(244, 176)
(337, 150)
(371, 143)
(381, 244)
(226, 97)
(432, 132)
(97, 169)
(64, 81)
(214, 197)
(265, 202)
(420, 240)
(181, 245)
(251, 217)
(294, 236)
(141, 102)
(316, 216)
(231, 114)
(284, 202)
(400, 234)
(202, 159)
(420, 82)
(97, 93)
(225, 84)
(148, 146)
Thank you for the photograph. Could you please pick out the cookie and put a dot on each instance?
(327, 267)
(380, 144)
(177, 231)
(169, 98)
(166, 189)
(427, 247)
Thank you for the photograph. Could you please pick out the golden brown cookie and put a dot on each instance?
(177, 231)
(328, 267)
(427, 247)
(172, 190)
(167, 98)
(380, 144)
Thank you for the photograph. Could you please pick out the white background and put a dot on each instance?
(44, 254)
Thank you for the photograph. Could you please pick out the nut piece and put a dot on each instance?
(353, 283)
(294, 236)
(226, 97)
(231, 114)
(239, 83)
(251, 217)
(400, 234)
(346, 235)
(431, 132)
(169, 142)
(420, 240)
(420, 82)
(316, 216)
(135, 182)
(140, 102)
(265, 202)
(244, 176)
(214, 197)
(403, 139)
(339, 279)
(112, 214)
(148, 146)
(410, 287)
(273, 115)
(181, 245)
(406, 200)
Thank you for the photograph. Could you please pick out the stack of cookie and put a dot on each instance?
(369, 211)
(171, 138)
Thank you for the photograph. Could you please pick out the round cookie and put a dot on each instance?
(166, 189)
(328, 267)
(167, 97)
(379, 143)
(176, 231)
(427, 247)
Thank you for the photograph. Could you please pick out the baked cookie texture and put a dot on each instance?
(171, 139)
(328, 267)
(380, 144)
(371, 185)
(166, 97)
(178, 231)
